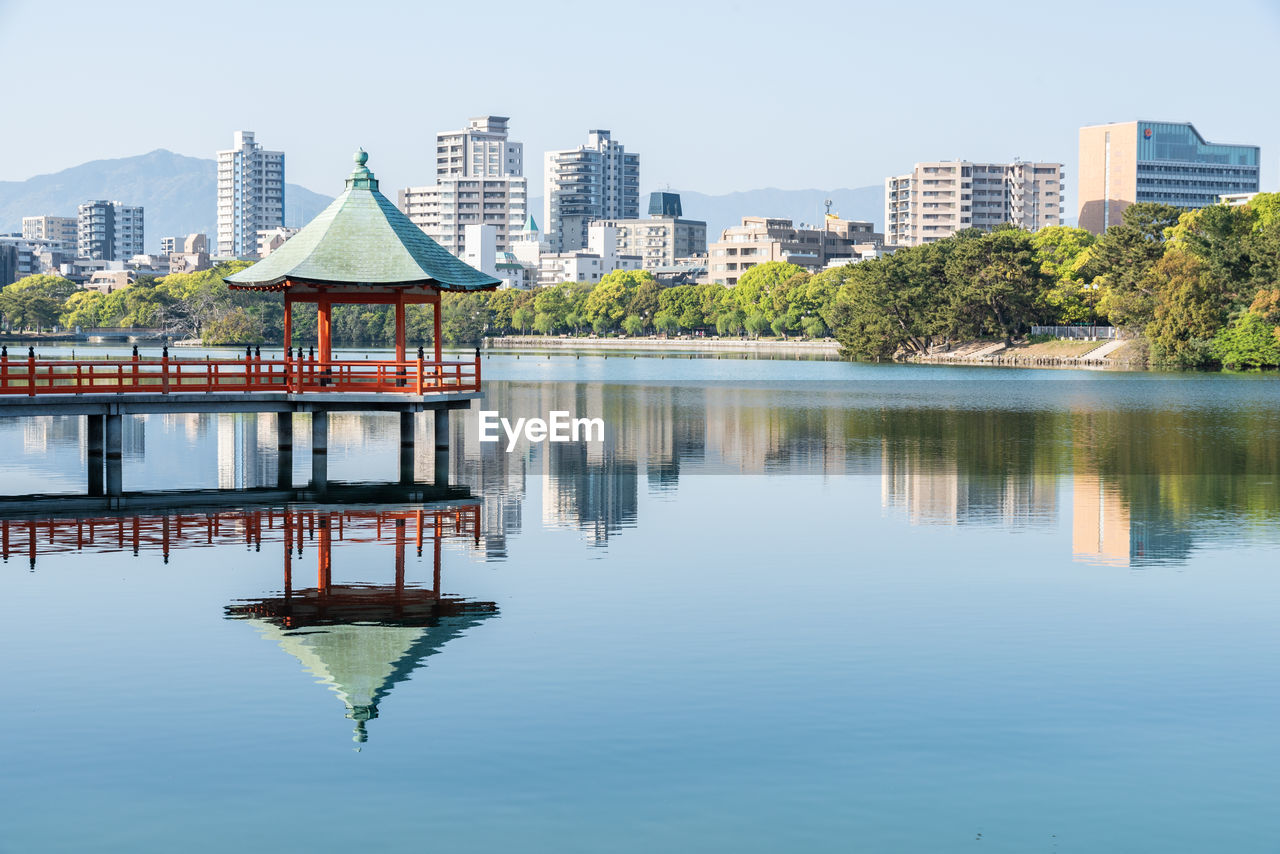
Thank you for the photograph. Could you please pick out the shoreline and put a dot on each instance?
(828, 347)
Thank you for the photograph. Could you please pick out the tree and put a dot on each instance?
(756, 323)
(995, 282)
(544, 323)
(464, 318)
(1063, 254)
(1248, 342)
(28, 309)
(522, 318)
(633, 324)
(237, 326)
(1189, 310)
(607, 303)
(1121, 258)
(81, 310)
(759, 288)
(666, 322)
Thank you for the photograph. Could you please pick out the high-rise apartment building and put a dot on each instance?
(479, 181)
(250, 195)
(937, 199)
(1168, 162)
(109, 231)
(664, 237)
(596, 181)
(59, 230)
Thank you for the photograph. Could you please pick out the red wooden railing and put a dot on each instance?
(250, 527)
(291, 374)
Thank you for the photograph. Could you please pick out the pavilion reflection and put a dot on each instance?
(360, 638)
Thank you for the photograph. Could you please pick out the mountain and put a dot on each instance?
(720, 212)
(177, 193)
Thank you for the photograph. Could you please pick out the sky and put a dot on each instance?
(716, 97)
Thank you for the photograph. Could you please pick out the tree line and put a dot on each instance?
(1200, 288)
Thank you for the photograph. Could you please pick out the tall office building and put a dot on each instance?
(60, 230)
(109, 231)
(1143, 161)
(599, 180)
(250, 195)
(937, 199)
(479, 181)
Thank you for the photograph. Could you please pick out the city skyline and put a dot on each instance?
(909, 118)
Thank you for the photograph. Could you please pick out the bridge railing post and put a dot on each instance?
(164, 370)
(248, 367)
(31, 372)
(418, 385)
(135, 367)
(477, 377)
(4, 366)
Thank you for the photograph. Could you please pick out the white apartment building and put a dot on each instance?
(109, 231)
(479, 181)
(250, 195)
(596, 181)
(57, 231)
(937, 199)
(544, 267)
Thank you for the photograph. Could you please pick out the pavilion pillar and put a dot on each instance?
(288, 324)
(400, 372)
(407, 428)
(284, 450)
(435, 331)
(442, 447)
(319, 450)
(115, 453)
(95, 426)
(324, 321)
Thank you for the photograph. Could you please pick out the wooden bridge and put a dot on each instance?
(361, 250)
(105, 391)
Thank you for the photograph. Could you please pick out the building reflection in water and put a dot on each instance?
(358, 638)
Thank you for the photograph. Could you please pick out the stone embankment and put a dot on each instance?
(764, 347)
(1050, 354)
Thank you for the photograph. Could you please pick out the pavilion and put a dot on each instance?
(364, 250)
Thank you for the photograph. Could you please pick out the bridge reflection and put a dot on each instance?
(359, 638)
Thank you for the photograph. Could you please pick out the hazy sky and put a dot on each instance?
(714, 96)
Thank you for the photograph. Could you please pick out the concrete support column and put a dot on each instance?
(407, 428)
(96, 439)
(442, 447)
(284, 450)
(114, 453)
(319, 450)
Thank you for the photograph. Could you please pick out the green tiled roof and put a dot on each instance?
(363, 239)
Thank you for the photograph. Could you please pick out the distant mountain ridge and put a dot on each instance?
(178, 194)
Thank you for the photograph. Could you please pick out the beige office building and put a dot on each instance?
(663, 238)
(937, 199)
(760, 240)
(1167, 162)
(59, 230)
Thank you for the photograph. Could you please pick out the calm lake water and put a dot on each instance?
(784, 606)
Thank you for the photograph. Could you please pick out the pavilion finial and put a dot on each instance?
(361, 177)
